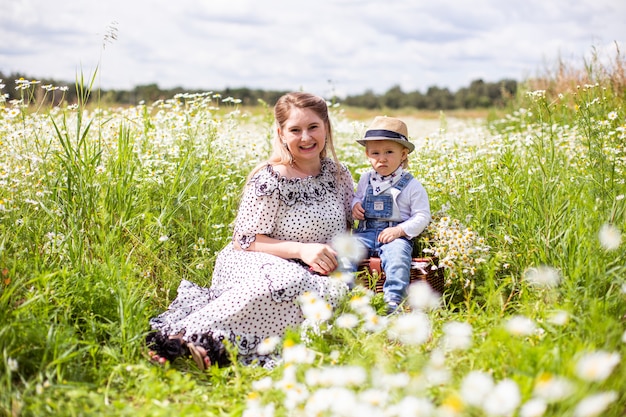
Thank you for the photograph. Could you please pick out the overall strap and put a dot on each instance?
(368, 190)
(406, 177)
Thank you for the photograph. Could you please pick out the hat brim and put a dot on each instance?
(404, 143)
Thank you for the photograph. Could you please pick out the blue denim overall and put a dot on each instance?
(395, 256)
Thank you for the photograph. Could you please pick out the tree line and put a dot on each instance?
(479, 94)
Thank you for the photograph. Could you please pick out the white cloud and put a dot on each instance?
(348, 46)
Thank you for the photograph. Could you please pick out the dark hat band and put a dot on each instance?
(385, 134)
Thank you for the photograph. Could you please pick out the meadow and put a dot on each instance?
(104, 210)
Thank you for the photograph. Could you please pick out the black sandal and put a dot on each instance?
(215, 351)
(162, 346)
(203, 361)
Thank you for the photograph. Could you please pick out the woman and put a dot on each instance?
(292, 206)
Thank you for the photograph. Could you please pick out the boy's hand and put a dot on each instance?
(390, 234)
(358, 212)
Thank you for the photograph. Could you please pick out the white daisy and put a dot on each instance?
(268, 345)
(411, 329)
(610, 237)
(535, 407)
(457, 335)
(559, 318)
(422, 297)
(551, 388)
(597, 366)
(520, 326)
(475, 387)
(595, 404)
(503, 399)
(543, 276)
(347, 321)
(349, 248)
(314, 308)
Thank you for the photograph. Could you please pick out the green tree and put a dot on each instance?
(394, 98)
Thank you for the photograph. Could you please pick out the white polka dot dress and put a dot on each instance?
(253, 295)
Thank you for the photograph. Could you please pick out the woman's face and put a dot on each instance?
(304, 133)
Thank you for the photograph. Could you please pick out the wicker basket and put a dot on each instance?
(422, 269)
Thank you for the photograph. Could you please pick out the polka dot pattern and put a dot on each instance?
(254, 295)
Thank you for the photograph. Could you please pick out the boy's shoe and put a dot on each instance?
(393, 307)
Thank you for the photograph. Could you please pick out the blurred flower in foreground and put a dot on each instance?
(412, 406)
(435, 372)
(559, 318)
(520, 326)
(314, 308)
(412, 329)
(475, 387)
(268, 345)
(503, 399)
(349, 250)
(372, 322)
(360, 303)
(597, 366)
(457, 335)
(610, 236)
(335, 401)
(338, 376)
(552, 388)
(543, 276)
(13, 365)
(535, 407)
(254, 408)
(263, 384)
(295, 394)
(297, 354)
(347, 321)
(385, 381)
(374, 397)
(594, 405)
(422, 297)
(345, 277)
(450, 407)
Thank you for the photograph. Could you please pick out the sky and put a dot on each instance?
(327, 47)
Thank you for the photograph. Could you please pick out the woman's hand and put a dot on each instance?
(358, 212)
(320, 258)
(390, 234)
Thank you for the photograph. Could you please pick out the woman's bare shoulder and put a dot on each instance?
(280, 169)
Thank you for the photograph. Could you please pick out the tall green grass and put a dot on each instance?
(104, 211)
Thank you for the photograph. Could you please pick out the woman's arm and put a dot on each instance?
(320, 257)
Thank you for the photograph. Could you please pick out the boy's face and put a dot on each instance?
(385, 155)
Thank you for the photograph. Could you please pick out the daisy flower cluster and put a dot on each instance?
(307, 389)
(315, 382)
(161, 138)
(459, 249)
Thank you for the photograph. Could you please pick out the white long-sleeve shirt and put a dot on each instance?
(410, 206)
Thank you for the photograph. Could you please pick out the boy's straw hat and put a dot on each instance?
(388, 128)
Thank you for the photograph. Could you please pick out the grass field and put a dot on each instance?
(103, 211)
